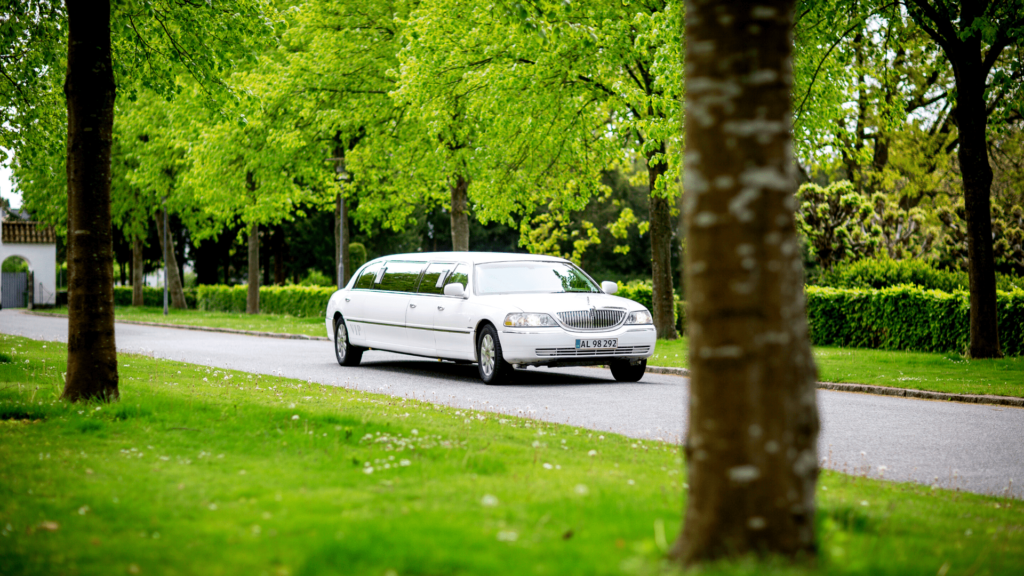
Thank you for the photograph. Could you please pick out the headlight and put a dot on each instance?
(529, 319)
(640, 317)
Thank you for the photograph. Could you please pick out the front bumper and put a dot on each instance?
(557, 346)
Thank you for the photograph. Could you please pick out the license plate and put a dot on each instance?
(600, 343)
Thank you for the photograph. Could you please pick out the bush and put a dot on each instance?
(884, 273)
(315, 277)
(150, 296)
(304, 301)
(907, 318)
(356, 256)
(643, 292)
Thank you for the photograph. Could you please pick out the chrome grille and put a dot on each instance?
(593, 319)
(573, 352)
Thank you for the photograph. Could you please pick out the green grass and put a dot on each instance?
(917, 370)
(205, 471)
(281, 324)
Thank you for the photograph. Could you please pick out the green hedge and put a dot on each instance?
(308, 301)
(885, 272)
(150, 296)
(907, 318)
(643, 292)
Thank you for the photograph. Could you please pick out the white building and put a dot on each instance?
(37, 245)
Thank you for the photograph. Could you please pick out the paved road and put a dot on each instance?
(970, 447)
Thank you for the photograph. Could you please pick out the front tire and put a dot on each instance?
(344, 351)
(623, 371)
(491, 363)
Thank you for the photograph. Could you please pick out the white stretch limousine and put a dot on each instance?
(502, 311)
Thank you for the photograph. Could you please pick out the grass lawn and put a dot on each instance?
(280, 324)
(917, 370)
(205, 471)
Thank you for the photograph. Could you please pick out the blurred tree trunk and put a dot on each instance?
(460, 215)
(173, 277)
(663, 296)
(137, 269)
(252, 297)
(90, 89)
(753, 418)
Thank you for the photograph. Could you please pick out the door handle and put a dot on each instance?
(348, 299)
(412, 305)
(440, 308)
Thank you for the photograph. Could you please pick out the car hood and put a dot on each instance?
(554, 303)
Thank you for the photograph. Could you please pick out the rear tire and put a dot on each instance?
(491, 363)
(344, 351)
(623, 371)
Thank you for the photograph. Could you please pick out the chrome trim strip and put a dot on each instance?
(574, 352)
(393, 325)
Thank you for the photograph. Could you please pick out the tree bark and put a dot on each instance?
(663, 297)
(173, 277)
(753, 419)
(460, 215)
(137, 269)
(252, 298)
(90, 91)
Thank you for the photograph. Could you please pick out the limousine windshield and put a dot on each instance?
(532, 277)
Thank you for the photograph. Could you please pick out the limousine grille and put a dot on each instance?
(573, 352)
(593, 319)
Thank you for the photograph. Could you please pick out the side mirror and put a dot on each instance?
(609, 287)
(455, 289)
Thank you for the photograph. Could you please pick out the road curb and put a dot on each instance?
(886, 391)
(202, 328)
(835, 386)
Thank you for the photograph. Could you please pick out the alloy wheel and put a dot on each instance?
(487, 354)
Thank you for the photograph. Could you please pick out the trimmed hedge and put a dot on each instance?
(150, 296)
(643, 292)
(306, 301)
(907, 318)
(885, 272)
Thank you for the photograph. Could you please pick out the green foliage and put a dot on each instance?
(15, 264)
(642, 291)
(150, 296)
(1007, 231)
(302, 301)
(885, 272)
(835, 220)
(356, 256)
(315, 277)
(907, 318)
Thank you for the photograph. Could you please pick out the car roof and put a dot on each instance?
(469, 257)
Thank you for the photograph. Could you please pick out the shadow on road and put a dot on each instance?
(468, 373)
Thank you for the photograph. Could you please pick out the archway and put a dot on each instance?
(14, 281)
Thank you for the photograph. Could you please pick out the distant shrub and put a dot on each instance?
(643, 292)
(315, 277)
(884, 273)
(907, 318)
(356, 256)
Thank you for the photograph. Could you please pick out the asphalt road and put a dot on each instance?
(969, 447)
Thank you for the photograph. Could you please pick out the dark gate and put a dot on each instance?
(15, 284)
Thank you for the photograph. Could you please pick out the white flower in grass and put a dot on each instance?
(404, 463)
(548, 466)
(592, 453)
(630, 482)
(507, 536)
(368, 470)
(863, 502)
(213, 506)
(582, 489)
(489, 500)
(295, 417)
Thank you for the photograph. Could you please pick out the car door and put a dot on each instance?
(453, 333)
(390, 302)
(356, 304)
(419, 317)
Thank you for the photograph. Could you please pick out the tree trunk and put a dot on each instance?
(137, 269)
(173, 278)
(460, 215)
(663, 297)
(753, 419)
(90, 90)
(972, 120)
(252, 298)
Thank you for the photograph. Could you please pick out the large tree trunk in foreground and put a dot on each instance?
(252, 297)
(663, 296)
(89, 88)
(137, 265)
(173, 277)
(753, 418)
(460, 215)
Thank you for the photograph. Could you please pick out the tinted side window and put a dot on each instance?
(434, 277)
(401, 276)
(460, 275)
(365, 280)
